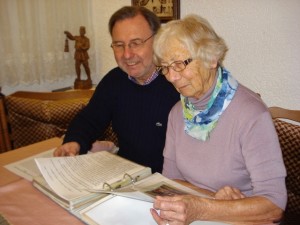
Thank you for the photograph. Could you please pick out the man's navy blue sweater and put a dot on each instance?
(139, 116)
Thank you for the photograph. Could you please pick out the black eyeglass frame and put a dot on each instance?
(131, 45)
(165, 69)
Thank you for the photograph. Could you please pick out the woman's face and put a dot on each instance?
(195, 80)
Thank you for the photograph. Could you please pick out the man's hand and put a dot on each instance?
(67, 149)
(103, 146)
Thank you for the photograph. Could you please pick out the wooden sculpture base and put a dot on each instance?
(83, 84)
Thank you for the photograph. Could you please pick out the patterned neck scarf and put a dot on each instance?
(199, 124)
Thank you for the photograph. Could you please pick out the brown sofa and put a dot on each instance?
(289, 139)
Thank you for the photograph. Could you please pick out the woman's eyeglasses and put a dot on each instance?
(177, 66)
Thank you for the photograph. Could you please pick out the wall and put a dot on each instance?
(263, 38)
(264, 44)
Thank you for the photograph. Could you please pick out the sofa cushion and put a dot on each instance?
(34, 120)
(289, 138)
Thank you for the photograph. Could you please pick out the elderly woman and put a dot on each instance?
(220, 136)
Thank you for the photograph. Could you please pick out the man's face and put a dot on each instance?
(135, 61)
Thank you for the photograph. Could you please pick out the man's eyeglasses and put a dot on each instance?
(133, 45)
(177, 66)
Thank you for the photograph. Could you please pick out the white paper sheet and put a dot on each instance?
(122, 211)
(27, 167)
(71, 177)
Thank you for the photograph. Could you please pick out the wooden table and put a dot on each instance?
(6, 176)
(20, 202)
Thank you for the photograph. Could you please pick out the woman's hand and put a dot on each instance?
(184, 209)
(229, 193)
(177, 210)
(229, 205)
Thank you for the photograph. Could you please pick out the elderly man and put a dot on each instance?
(133, 96)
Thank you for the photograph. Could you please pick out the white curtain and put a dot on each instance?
(32, 39)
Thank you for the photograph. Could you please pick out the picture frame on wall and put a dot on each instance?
(166, 10)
